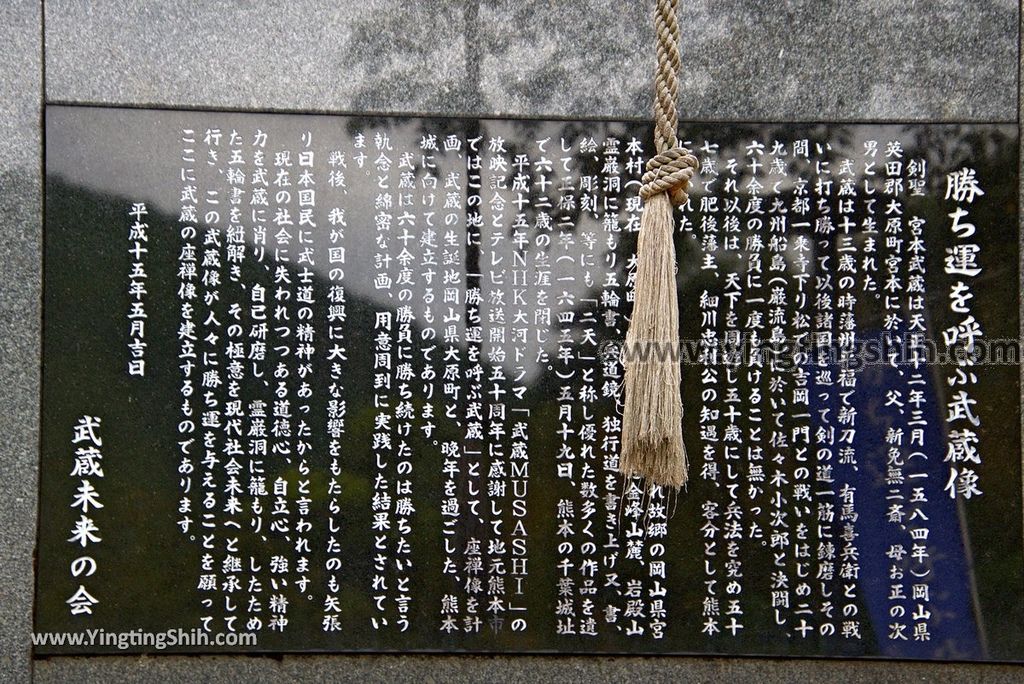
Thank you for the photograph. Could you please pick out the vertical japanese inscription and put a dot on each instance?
(397, 389)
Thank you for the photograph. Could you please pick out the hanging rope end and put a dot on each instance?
(652, 437)
(659, 462)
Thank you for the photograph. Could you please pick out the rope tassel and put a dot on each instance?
(652, 428)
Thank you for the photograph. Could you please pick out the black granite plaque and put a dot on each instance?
(351, 383)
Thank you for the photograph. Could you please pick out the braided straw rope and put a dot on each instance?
(652, 435)
(673, 167)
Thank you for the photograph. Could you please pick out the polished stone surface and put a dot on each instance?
(102, 159)
(524, 669)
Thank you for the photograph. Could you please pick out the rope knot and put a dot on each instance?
(669, 171)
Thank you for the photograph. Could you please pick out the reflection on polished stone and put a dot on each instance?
(353, 384)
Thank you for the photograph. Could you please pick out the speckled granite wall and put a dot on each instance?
(745, 59)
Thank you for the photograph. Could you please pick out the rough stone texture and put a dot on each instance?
(20, 232)
(367, 55)
(745, 59)
(757, 59)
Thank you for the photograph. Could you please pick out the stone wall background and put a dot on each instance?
(780, 60)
